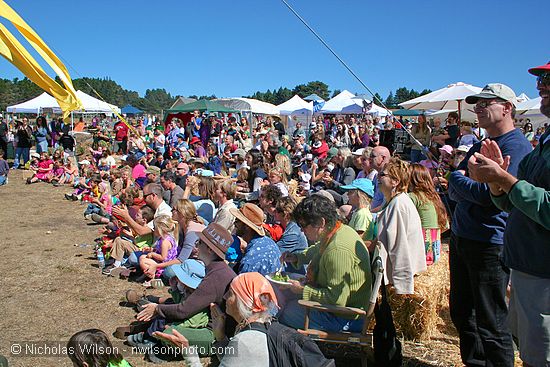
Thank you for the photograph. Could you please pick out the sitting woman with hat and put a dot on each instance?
(261, 253)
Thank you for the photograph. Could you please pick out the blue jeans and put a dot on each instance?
(25, 152)
(417, 156)
(3, 180)
(293, 315)
(477, 302)
(42, 146)
(169, 272)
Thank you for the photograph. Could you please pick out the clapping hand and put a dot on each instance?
(218, 322)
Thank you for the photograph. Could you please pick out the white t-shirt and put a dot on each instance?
(163, 209)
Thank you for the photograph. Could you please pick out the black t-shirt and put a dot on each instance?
(67, 142)
(24, 138)
(453, 132)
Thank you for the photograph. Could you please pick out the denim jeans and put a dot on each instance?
(293, 315)
(3, 180)
(477, 302)
(42, 146)
(24, 152)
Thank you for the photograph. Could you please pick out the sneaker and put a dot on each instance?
(109, 270)
(69, 197)
(74, 197)
(138, 340)
(88, 216)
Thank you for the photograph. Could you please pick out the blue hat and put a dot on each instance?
(190, 272)
(363, 184)
(180, 135)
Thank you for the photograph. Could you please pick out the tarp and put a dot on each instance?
(130, 110)
(249, 105)
(35, 105)
(345, 104)
(295, 105)
(404, 112)
(201, 105)
(44, 101)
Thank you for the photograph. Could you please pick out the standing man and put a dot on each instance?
(527, 233)
(196, 122)
(478, 277)
(379, 158)
(121, 137)
(3, 137)
(23, 136)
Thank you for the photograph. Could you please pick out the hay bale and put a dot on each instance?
(416, 315)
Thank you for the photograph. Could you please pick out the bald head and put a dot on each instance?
(379, 157)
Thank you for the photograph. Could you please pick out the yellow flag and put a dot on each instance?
(17, 54)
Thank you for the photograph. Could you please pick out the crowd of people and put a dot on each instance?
(211, 207)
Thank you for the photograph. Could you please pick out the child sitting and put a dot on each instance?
(92, 348)
(4, 169)
(70, 172)
(166, 247)
(45, 166)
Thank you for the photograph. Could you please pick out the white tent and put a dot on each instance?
(346, 104)
(295, 105)
(529, 107)
(92, 104)
(249, 105)
(44, 101)
(36, 105)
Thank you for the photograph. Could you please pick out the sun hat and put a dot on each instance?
(538, 70)
(251, 215)
(194, 140)
(446, 149)
(84, 161)
(494, 90)
(190, 272)
(359, 152)
(153, 170)
(363, 184)
(217, 238)
(36, 155)
(180, 135)
(240, 152)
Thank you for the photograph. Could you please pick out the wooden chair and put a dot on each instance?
(345, 340)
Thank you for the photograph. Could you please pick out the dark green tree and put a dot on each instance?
(335, 93)
(377, 99)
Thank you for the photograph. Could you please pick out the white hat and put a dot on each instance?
(85, 161)
(313, 125)
(463, 148)
(359, 151)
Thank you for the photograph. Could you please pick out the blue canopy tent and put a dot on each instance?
(130, 110)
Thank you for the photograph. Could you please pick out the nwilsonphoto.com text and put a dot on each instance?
(59, 349)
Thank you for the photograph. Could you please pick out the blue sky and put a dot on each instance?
(234, 48)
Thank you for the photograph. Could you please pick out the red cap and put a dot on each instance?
(194, 140)
(540, 69)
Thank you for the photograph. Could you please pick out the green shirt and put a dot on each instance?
(361, 221)
(343, 276)
(426, 210)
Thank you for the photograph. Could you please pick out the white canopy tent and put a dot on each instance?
(249, 105)
(294, 106)
(530, 109)
(346, 104)
(45, 101)
(36, 105)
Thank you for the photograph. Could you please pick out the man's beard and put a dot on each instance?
(545, 109)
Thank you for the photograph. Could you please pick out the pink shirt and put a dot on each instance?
(138, 171)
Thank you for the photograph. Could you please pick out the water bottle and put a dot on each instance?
(100, 260)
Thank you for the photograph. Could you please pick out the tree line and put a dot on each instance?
(155, 100)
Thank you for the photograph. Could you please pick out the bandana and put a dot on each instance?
(248, 287)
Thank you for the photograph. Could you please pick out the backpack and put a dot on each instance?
(289, 348)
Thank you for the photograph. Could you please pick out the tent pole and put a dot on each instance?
(459, 111)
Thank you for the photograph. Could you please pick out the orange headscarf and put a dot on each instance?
(249, 286)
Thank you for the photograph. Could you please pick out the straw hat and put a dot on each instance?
(252, 216)
(217, 238)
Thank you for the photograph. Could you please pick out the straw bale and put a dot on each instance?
(416, 315)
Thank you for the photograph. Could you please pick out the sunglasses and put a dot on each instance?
(382, 174)
(543, 79)
(145, 195)
(486, 103)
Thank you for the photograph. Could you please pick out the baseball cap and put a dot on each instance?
(447, 149)
(332, 153)
(494, 90)
(363, 184)
(538, 70)
(359, 151)
(154, 170)
(240, 152)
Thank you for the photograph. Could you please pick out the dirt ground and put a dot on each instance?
(52, 288)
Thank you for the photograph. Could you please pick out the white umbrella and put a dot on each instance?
(448, 98)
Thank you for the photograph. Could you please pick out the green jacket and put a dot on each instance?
(342, 270)
(527, 233)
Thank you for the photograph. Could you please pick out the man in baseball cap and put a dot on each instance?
(478, 279)
(526, 250)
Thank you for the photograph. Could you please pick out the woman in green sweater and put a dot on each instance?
(433, 215)
(339, 271)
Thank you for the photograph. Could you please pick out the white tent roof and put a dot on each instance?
(249, 104)
(444, 98)
(35, 105)
(345, 103)
(522, 97)
(530, 107)
(295, 105)
(44, 100)
(92, 104)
